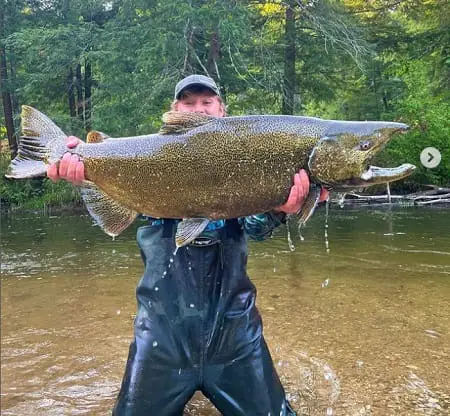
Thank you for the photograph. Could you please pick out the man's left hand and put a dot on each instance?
(298, 194)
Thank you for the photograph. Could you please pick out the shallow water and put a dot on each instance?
(360, 330)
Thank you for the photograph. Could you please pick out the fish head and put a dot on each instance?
(341, 160)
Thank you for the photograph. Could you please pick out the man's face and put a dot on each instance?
(205, 102)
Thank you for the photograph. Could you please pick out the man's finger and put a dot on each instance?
(64, 164)
(293, 197)
(79, 173)
(52, 172)
(304, 180)
(72, 142)
(324, 195)
(71, 169)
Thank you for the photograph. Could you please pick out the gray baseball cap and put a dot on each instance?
(200, 80)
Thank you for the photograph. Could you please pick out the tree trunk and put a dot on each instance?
(5, 88)
(213, 56)
(87, 95)
(188, 36)
(7, 104)
(79, 92)
(71, 94)
(12, 80)
(289, 81)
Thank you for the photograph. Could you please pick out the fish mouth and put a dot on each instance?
(376, 174)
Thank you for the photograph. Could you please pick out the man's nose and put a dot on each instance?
(199, 108)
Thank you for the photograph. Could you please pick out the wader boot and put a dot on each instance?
(197, 328)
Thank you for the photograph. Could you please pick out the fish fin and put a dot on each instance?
(309, 205)
(42, 143)
(96, 137)
(110, 215)
(189, 229)
(176, 122)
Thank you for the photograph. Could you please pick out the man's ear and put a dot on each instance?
(223, 110)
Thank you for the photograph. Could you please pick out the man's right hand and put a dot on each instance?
(70, 167)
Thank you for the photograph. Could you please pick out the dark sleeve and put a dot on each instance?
(260, 226)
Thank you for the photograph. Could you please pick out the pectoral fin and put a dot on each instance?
(309, 205)
(111, 216)
(189, 229)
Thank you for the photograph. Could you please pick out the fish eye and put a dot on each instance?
(365, 145)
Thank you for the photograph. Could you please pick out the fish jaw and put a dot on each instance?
(374, 175)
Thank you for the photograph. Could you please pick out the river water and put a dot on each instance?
(360, 328)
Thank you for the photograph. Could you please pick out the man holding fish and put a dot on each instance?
(197, 327)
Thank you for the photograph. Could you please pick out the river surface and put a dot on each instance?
(360, 328)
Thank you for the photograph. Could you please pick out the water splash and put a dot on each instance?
(289, 238)
(341, 199)
(326, 282)
(316, 387)
(327, 205)
(171, 260)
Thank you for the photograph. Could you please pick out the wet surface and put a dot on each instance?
(360, 330)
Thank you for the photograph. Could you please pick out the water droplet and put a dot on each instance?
(156, 288)
(179, 371)
(171, 260)
(155, 344)
(175, 252)
(149, 303)
(325, 283)
(192, 305)
(118, 312)
(290, 244)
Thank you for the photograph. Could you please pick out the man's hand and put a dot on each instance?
(298, 194)
(70, 167)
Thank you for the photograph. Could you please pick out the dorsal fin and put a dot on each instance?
(179, 122)
(96, 136)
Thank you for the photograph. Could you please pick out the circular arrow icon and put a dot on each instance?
(430, 157)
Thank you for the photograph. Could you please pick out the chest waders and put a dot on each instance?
(197, 328)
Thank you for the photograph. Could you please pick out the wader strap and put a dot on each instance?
(168, 229)
(233, 229)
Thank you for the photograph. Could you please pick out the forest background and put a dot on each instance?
(112, 66)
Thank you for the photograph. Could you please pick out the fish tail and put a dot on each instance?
(41, 144)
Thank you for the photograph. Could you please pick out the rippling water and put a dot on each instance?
(360, 330)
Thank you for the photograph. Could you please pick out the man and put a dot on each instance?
(197, 327)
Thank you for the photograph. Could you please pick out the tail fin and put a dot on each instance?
(42, 143)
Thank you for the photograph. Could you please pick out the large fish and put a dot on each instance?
(199, 167)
